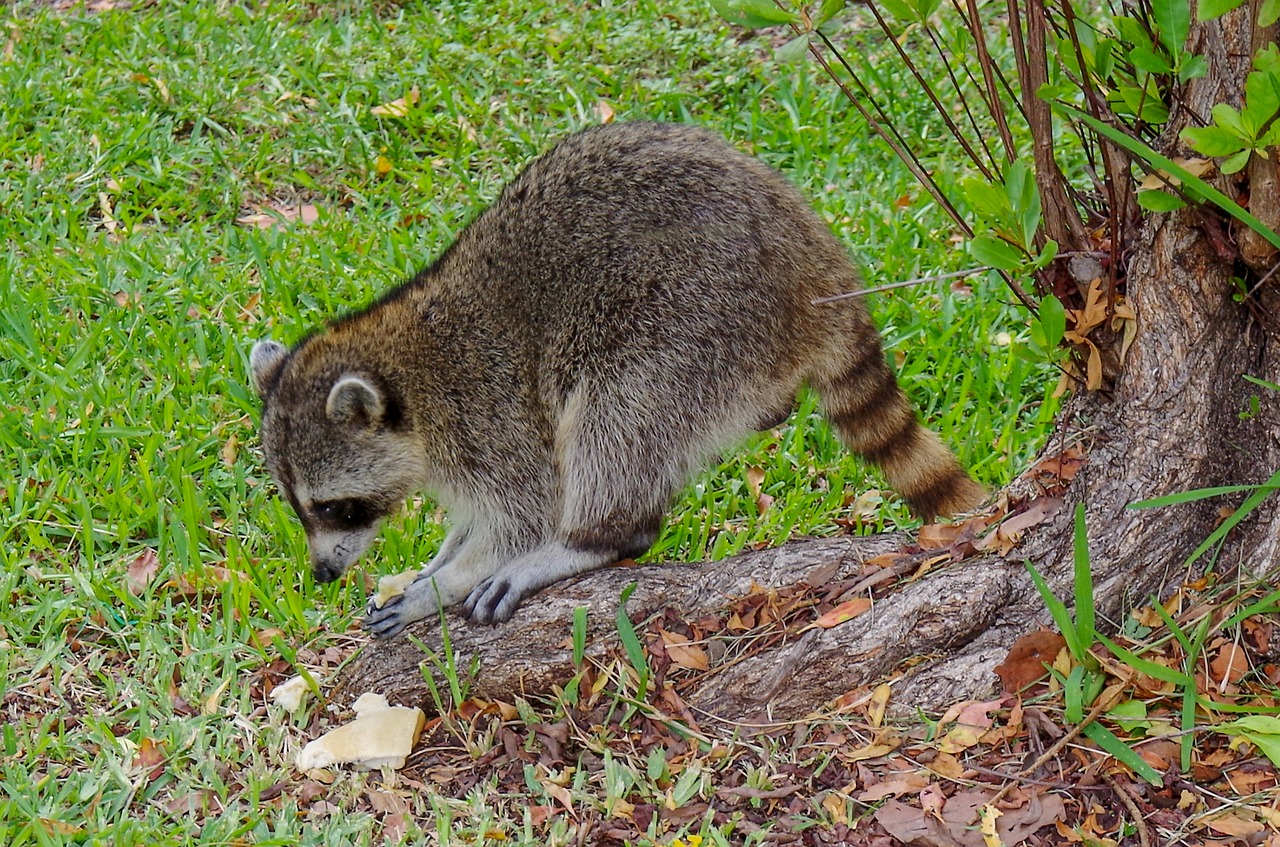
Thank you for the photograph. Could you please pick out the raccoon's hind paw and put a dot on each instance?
(494, 601)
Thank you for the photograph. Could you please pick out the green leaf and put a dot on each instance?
(1122, 752)
(1207, 10)
(1236, 163)
(1024, 200)
(579, 635)
(794, 50)
(1230, 119)
(1058, 611)
(1268, 13)
(631, 641)
(1192, 67)
(1130, 715)
(1053, 318)
(1173, 21)
(1083, 580)
(991, 202)
(1196, 494)
(1047, 254)
(1212, 140)
(1193, 184)
(754, 14)
(990, 250)
(1261, 97)
(1160, 201)
(899, 10)
(1147, 667)
(1263, 731)
(829, 9)
(1147, 59)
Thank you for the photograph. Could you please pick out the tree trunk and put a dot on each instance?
(1179, 416)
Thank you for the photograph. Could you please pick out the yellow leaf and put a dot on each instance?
(382, 165)
(399, 107)
(211, 702)
(846, 611)
(988, 814)
(879, 702)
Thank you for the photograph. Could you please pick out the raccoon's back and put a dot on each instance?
(649, 236)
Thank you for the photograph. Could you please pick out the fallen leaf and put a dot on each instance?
(398, 107)
(382, 165)
(684, 653)
(150, 757)
(846, 611)
(1027, 658)
(279, 216)
(906, 784)
(972, 720)
(230, 450)
(755, 482)
(878, 704)
(141, 571)
(604, 111)
(1232, 824)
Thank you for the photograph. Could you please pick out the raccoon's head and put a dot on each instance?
(339, 446)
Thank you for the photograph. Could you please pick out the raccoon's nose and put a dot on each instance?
(326, 571)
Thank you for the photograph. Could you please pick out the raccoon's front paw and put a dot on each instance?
(495, 600)
(417, 602)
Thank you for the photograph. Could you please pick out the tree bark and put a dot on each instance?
(1179, 416)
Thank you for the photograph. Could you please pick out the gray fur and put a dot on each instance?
(638, 299)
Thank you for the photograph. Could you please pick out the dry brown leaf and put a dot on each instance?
(1158, 179)
(108, 216)
(910, 783)
(846, 611)
(878, 704)
(1009, 533)
(604, 111)
(972, 720)
(684, 653)
(399, 107)
(279, 216)
(837, 807)
(1228, 666)
(230, 450)
(1027, 658)
(755, 483)
(141, 571)
(1233, 824)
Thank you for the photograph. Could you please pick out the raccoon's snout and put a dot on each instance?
(327, 571)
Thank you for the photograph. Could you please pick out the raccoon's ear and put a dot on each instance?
(354, 399)
(265, 361)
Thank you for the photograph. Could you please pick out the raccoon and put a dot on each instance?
(638, 299)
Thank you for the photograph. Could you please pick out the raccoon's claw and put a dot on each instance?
(493, 601)
(386, 621)
(372, 606)
(418, 601)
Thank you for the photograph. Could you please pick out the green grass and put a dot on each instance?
(131, 141)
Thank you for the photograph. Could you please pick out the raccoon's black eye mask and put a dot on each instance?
(344, 514)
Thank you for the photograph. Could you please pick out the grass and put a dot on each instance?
(131, 141)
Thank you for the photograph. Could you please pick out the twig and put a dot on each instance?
(1057, 748)
(1144, 836)
(904, 284)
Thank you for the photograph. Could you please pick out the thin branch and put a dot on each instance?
(977, 160)
(988, 75)
(886, 130)
(835, 298)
